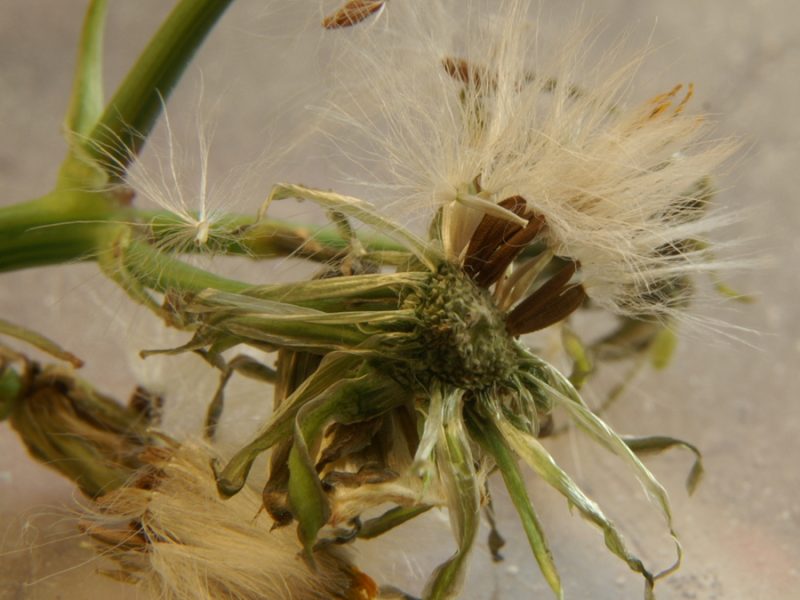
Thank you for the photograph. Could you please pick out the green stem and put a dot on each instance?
(246, 235)
(60, 227)
(130, 115)
(65, 226)
(162, 272)
(86, 102)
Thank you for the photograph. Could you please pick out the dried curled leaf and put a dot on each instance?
(39, 341)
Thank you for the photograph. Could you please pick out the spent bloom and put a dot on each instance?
(172, 534)
(475, 117)
(401, 374)
(402, 377)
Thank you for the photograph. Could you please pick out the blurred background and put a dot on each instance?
(261, 68)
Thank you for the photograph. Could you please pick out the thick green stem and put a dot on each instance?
(86, 103)
(264, 238)
(130, 115)
(60, 227)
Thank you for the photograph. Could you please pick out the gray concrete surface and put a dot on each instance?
(737, 400)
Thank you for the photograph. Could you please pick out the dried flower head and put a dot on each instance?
(472, 118)
(70, 426)
(402, 377)
(172, 534)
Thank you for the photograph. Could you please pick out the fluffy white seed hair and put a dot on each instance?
(170, 530)
(434, 95)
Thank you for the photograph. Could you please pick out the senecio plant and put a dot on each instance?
(403, 376)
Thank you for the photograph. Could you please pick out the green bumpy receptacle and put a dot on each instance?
(462, 335)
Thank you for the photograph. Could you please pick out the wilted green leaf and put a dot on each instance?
(391, 519)
(565, 395)
(493, 443)
(457, 470)
(539, 459)
(347, 401)
(334, 368)
(307, 499)
(364, 212)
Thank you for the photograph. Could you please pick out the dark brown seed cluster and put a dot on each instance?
(496, 243)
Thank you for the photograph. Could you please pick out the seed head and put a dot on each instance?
(473, 114)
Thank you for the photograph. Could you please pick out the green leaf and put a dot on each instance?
(493, 443)
(457, 469)
(540, 460)
(86, 102)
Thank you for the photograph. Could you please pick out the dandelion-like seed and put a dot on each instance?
(190, 221)
(179, 211)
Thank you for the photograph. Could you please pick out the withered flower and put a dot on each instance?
(404, 378)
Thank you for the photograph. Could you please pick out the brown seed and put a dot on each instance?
(351, 13)
(508, 251)
(490, 234)
(121, 539)
(551, 303)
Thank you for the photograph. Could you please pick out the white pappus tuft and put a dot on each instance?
(191, 215)
(474, 112)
